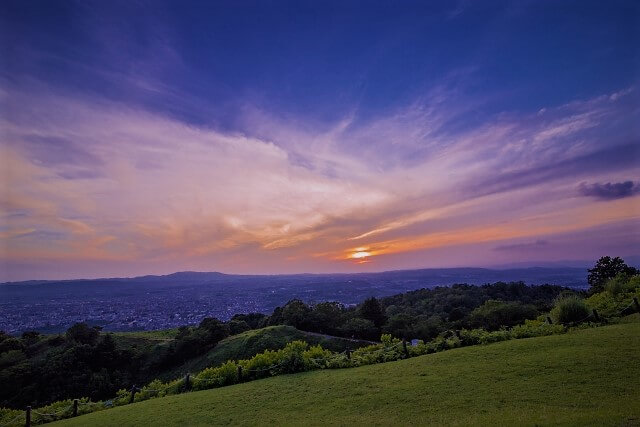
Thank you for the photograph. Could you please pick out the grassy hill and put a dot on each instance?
(249, 343)
(587, 377)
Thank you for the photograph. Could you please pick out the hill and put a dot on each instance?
(47, 368)
(249, 343)
(586, 377)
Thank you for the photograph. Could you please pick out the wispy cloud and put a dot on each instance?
(538, 244)
(108, 183)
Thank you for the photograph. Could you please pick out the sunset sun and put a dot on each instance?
(361, 255)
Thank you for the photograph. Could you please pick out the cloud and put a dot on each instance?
(601, 160)
(609, 191)
(100, 182)
(538, 244)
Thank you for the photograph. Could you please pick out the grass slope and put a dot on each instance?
(250, 343)
(588, 377)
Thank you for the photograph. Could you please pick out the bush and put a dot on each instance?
(618, 299)
(155, 388)
(481, 336)
(292, 358)
(316, 357)
(622, 284)
(535, 328)
(569, 309)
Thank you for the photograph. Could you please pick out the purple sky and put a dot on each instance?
(288, 141)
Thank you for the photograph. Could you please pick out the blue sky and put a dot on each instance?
(148, 137)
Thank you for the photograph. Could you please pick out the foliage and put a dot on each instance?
(617, 299)
(494, 314)
(535, 328)
(622, 283)
(607, 268)
(358, 327)
(371, 310)
(550, 381)
(569, 309)
(82, 334)
(297, 356)
(84, 361)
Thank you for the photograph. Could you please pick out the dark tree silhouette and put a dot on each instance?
(605, 269)
(372, 310)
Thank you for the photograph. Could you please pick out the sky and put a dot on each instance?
(147, 137)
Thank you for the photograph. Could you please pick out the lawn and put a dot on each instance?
(587, 377)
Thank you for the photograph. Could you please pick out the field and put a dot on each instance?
(587, 377)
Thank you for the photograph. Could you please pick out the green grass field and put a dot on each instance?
(587, 377)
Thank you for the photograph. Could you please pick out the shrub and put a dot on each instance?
(292, 358)
(615, 302)
(11, 417)
(227, 373)
(258, 366)
(122, 397)
(316, 357)
(535, 328)
(155, 388)
(617, 285)
(569, 309)
(622, 283)
(481, 336)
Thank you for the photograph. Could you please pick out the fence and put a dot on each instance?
(187, 382)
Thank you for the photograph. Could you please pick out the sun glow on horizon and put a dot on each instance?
(361, 255)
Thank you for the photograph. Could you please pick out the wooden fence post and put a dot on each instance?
(404, 347)
(27, 422)
(187, 382)
(349, 354)
(75, 407)
(239, 373)
(133, 393)
(595, 315)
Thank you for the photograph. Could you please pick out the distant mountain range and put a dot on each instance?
(574, 276)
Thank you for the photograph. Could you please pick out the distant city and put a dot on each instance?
(161, 302)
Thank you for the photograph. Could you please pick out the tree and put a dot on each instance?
(400, 326)
(493, 314)
(326, 317)
(372, 310)
(214, 330)
(254, 320)
(360, 328)
(605, 269)
(237, 326)
(31, 337)
(296, 313)
(82, 333)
